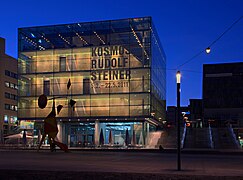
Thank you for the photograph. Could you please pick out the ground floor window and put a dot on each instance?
(93, 134)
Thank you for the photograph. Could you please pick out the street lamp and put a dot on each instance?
(178, 77)
(208, 50)
(178, 82)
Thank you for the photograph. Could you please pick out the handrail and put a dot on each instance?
(234, 137)
(210, 136)
(183, 136)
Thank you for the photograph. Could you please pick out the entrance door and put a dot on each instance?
(81, 136)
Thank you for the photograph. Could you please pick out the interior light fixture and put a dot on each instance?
(82, 39)
(64, 39)
(99, 37)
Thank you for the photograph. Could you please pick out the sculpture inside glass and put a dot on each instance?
(50, 122)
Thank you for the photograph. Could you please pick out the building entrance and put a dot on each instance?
(81, 136)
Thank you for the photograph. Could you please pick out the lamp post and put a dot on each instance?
(208, 50)
(178, 82)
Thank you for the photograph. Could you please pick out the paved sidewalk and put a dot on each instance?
(117, 165)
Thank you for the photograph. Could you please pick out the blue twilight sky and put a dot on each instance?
(185, 27)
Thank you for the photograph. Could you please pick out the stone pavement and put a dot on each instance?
(20, 164)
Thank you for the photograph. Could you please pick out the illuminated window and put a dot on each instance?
(7, 84)
(5, 118)
(12, 107)
(12, 85)
(11, 120)
(15, 119)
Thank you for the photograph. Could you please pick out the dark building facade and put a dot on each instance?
(223, 94)
(8, 92)
(196, 112)
(171, 114)
(117, 74)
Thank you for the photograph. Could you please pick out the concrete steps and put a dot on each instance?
(224, 139)
(153, 139)
(168, 139)
(197, 138)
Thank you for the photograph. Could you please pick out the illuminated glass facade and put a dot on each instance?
(117, 74)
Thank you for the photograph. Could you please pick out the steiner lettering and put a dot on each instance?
(110, 74)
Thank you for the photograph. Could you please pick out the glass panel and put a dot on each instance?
(119, 110)
(114, 68)
(119, 99)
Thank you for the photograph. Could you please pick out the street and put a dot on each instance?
(122, 162)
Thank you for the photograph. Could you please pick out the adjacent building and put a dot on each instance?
(8, 92)
(171, 115)
(192, 114)
(222, 94)
(117, 73)
(196, 112)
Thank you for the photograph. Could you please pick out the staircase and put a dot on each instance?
(14, 130)
(224, 139)
(198, 138)
(168, 139)
(153, 139)
(195, 138)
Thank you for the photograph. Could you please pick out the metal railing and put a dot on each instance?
(183, 136)
(210, 137)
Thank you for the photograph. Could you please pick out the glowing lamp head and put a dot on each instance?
(178, 77)
(208, 50)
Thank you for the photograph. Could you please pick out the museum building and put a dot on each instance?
(114, 70)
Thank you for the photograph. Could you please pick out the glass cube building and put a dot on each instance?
(117, 73)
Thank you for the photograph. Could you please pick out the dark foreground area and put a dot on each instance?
(41, 175)
(25, 164)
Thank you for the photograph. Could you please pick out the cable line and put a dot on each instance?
(225, 31)
(208, 49)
